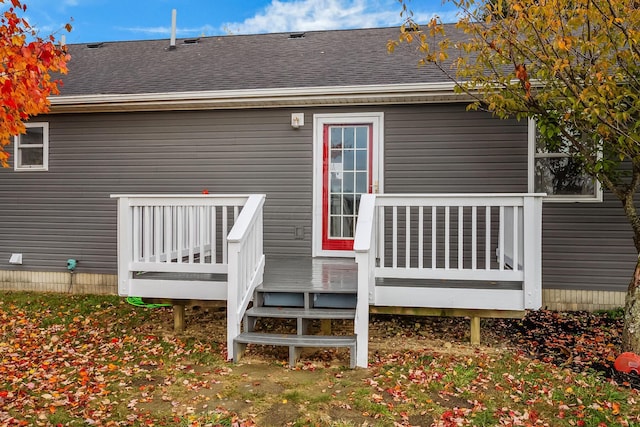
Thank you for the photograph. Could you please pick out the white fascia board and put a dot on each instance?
(261, 98)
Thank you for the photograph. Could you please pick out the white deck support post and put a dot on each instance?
(532, 257)
(125, 245)
(246, 262)
(365, 248)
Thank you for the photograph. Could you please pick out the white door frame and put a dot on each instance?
(319, 122)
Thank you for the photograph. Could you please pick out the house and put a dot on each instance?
(254, 114)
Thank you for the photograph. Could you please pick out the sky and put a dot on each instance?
(114, 20)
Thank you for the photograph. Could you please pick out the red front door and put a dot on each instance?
(346, 175)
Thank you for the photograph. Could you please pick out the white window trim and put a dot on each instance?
(595, 198)
(45, 149)
(319, 120)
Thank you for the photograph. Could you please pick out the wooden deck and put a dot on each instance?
(288, 274)
(335, 275)
(459, 254)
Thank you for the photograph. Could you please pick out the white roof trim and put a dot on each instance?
(260, 98)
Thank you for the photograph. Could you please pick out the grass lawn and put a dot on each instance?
(96, 360)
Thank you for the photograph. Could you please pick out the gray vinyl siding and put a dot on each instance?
(587, 246)
(445, 149)
(67, 213)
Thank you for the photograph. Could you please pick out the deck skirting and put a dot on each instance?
(581, 300)
(101, 284)
(49, 281)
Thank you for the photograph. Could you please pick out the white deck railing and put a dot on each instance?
(246, 265)
(187, 234)
(417, 241)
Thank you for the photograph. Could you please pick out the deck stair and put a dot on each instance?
(303, 305)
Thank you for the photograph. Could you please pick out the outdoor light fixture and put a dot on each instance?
(297, 120)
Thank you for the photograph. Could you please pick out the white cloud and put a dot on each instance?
(166, 30)
(446, 16)
(51, 26)
(309, 15)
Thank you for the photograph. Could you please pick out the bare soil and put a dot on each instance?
(579, 340)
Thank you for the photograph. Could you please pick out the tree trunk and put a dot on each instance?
(631, 329)
(631, 332)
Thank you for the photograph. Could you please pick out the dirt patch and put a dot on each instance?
(280, 414)
(577, 340)
(146, 381)
(347, 415)
(263, 388)
(420, 420)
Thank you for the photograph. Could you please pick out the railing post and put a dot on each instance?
(124, 244)
(365, 249)
(233, 279)
(532, 262)
(244, 268)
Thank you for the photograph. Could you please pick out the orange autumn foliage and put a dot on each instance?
(25, 72)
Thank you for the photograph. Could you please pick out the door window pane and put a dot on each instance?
(361, 160)
(348, 160)
(348, 182)
(361, 182)
(336, 137)
(336, 157)
(349, 226)
(336, 227)
(336, 204)
(362, 137)
(336, 183)
(349, 137)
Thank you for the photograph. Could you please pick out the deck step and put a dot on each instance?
(274, 288)
(301, 313)
(313, 299)
(296, 342)
(282, 299)
(341, 301)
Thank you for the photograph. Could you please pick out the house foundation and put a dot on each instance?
(61, 282)
(581, 300)
(106, 284)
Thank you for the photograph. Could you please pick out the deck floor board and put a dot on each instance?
(298, 274)
(333, 275)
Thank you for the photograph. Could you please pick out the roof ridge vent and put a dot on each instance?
(411, 28)
(95, 45)
(296, 35)
(191, 41)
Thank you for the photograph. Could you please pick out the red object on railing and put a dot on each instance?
(205, 191)
(627, 362)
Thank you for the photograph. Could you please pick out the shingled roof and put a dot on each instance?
(265, 61)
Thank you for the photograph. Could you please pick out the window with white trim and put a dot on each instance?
(558, 173)
(31, 149)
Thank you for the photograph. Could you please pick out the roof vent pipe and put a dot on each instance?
(172, 44)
